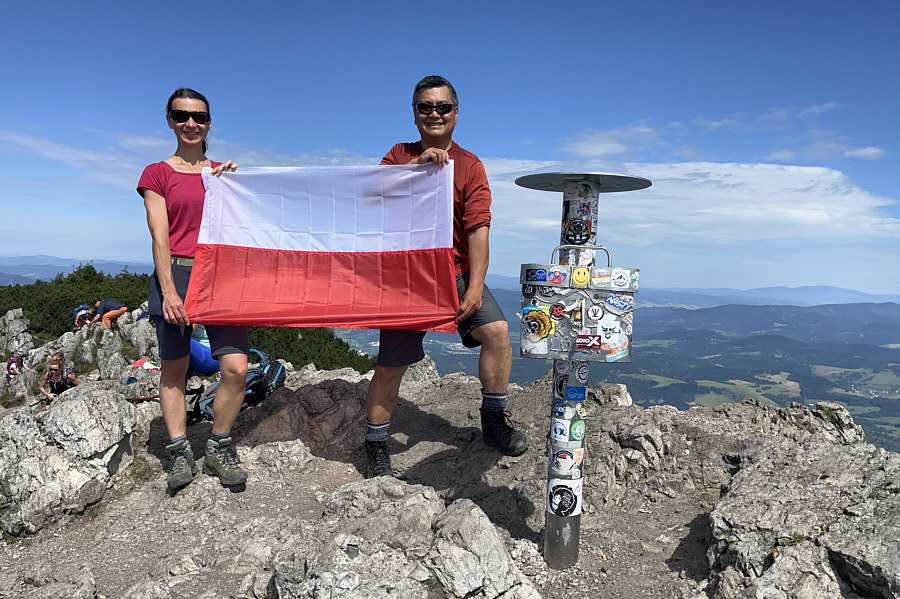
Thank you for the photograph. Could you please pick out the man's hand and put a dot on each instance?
(435, 155)
(469, 304)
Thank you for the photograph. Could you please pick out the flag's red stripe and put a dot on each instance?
(234, 285)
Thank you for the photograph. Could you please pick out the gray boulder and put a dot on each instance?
(61, 460)
(14, 335)
(142, 335)
(814, 521)
(383, 538)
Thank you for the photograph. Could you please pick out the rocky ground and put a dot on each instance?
(742, 500)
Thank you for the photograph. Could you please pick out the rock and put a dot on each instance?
(62, 460)
(385, 538)
(14, 335)
(423, 370)
(767, 529)
(142, 335)
(328, 416)
(62, 581)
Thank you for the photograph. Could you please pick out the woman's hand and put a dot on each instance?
(173, 310)
(225, 166)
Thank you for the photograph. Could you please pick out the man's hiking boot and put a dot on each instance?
(379, 459)
(222, 461)
(496, 432)
(182, 466)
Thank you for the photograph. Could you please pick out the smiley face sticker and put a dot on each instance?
(581, 277)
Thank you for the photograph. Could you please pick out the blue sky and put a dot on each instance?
(770, 130)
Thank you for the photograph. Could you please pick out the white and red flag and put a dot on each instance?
(350, 247)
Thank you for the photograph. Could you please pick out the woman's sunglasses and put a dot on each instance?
(442, 109)
(182, 116)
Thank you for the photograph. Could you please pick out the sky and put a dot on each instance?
(770, 130)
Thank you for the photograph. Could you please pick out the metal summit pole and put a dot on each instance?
(575, 313)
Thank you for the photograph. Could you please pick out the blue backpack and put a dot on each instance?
(80, 308)
(262, 381)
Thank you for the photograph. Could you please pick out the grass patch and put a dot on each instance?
(22, 540)
(141, 468)
(795, 540)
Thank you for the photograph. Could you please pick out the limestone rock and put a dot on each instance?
(62, 581)
(423, 370)
(142, 335)
(63, 459)
(14, 335)
(768, 528)
(385, 538)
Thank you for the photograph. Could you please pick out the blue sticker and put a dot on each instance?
(559, 408)
(538, 274)
(576, 393)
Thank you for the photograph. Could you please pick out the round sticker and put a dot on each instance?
(581, 276)
(582, 371)
(564, 497)
(559, 386)
(561, 366)
(578, 231)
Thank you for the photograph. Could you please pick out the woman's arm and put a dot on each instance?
(158, 222)
(46, 393)
(73, 380)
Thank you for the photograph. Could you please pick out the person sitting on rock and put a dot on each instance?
(109, 310)
(16, 365)
(56, 380)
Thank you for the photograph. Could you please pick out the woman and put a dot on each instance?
(56, 380)
(173, 196)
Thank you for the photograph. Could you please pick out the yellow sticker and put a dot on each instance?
(581, 276)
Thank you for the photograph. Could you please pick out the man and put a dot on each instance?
(109, 310)
(480, 320)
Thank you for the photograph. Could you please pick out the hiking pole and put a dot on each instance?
(574, 313)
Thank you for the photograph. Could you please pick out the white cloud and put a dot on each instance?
(706, 204)
(720, 124)
(595, 144)
(816, 110)
(782, 155)
(868, 153)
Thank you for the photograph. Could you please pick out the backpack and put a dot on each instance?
(261, 382)
(80, 308)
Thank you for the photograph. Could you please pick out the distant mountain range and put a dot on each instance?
(23, 270)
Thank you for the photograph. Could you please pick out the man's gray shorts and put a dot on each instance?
(398, 347)
(175, 340)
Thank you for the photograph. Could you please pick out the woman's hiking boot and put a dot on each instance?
(496, 432)
(182, 466)
(222, 461)
(379, 459)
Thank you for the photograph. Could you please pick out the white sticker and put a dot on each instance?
(564, 497)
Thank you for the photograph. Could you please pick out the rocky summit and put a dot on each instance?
(738, 501)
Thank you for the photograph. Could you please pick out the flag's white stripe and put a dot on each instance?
(330, 209)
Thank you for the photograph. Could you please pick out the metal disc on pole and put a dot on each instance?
(605, 182)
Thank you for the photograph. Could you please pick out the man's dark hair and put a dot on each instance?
(433, 81)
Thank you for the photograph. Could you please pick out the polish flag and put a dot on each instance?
(348, 247)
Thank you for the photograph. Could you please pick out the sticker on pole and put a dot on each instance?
(567, 463)
(564, 497)
(559, 429)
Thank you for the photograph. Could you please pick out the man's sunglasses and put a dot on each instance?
(442, 109)
(182, 116)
